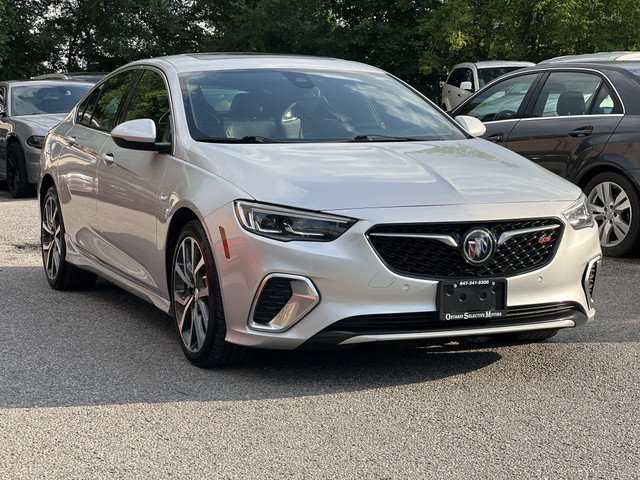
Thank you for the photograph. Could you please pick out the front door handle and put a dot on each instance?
(108, 158)
(495, 138)
(71, 140)
(581, 132)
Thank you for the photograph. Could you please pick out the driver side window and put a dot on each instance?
(502, 101)
(151, 100)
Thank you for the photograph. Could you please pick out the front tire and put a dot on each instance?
(60, 274)
(17, 180)
(615, 205)
(197, 302)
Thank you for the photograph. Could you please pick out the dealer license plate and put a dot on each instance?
(472, 299)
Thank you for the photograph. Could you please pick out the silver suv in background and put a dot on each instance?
(469, 77)
(28, 110)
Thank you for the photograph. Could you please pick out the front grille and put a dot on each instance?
(429, 321)
(431, 258)
(274, 296)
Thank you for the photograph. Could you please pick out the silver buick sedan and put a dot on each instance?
(295, 202)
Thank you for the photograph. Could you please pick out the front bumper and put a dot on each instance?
(352, 281)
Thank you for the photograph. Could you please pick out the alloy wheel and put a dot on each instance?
(612, 211)
(51, 237)
(191, 294)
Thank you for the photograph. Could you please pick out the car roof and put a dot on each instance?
(43, 82)
(495, 63)
(596, 57)
(240, 61)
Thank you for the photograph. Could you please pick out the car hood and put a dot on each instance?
(336, 176)
(41, 122)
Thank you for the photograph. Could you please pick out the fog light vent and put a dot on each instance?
(281, 301)
(275, 294)
(589, 282)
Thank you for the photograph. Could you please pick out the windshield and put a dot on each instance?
(486, 75)
(29, 100)
(310, 106)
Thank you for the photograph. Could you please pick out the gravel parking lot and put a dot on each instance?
(94, 385)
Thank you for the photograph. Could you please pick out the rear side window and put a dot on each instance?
(567, 93)
(114, 92)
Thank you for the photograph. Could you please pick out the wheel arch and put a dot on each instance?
(46, 183)
(179, 219)
(587, 175)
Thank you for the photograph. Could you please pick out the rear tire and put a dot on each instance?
(615, 205)
(60, 274)
(17, 180)
(197, 302)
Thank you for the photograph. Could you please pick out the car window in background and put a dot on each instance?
(311, 106)
(566, 93)
(460, 75)
(2, 96)
(105, 114)
(604, 103)
(151, 100)
(486, 75)
(501, 101)
(29, 100)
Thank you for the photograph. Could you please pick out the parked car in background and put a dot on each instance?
(28, 109)
(580, 120)
(286, 202)
(468, 77)
(91, 77)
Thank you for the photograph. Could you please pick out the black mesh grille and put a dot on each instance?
(275, 295)
(429, 258)
(428, 321)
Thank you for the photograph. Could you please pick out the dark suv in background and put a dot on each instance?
(580, 120)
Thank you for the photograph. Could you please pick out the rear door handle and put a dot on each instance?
(496, 137)
(581, 132)
(108, 158)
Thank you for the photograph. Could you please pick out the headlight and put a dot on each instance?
(287, 224)
(579, 215)
(35, 141)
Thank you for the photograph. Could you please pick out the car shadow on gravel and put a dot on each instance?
(105, 346)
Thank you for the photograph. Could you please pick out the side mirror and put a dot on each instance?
(139, 134)
(472, 125)
(468, 86)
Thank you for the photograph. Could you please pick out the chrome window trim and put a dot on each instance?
(604, 115)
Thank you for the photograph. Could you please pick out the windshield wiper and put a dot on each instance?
(376, 137)
(245, 139)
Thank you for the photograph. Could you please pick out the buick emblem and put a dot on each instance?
(478, 246)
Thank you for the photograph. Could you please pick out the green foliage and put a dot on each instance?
(417, 40)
